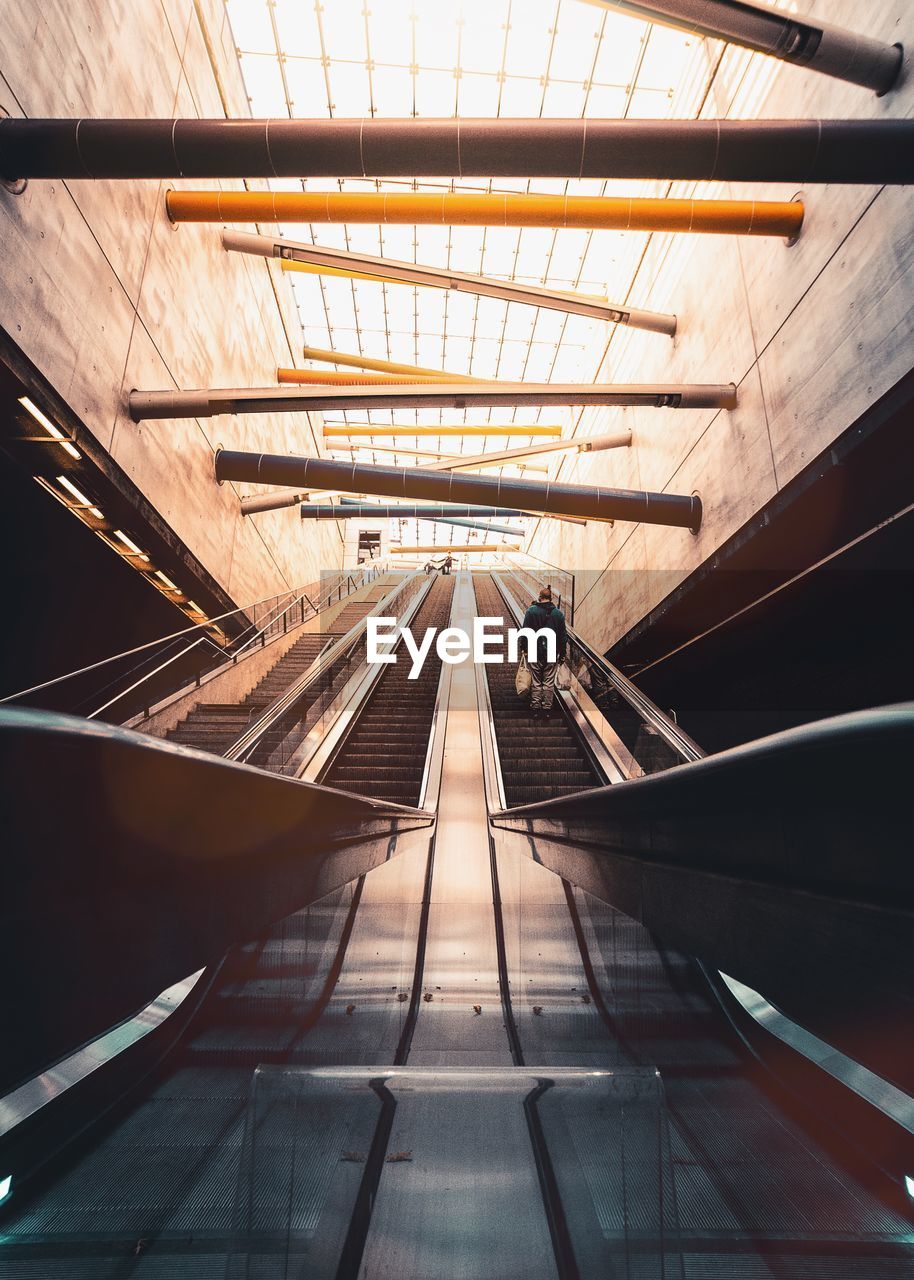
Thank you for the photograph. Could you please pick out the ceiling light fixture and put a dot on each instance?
(80, 497)
(45, 421)
(130, 544)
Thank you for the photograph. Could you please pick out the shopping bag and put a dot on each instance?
(524, 679)
(563, 677)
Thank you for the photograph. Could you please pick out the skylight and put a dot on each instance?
(472, 58)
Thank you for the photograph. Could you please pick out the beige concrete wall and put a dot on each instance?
(812, 335)
(104, 295)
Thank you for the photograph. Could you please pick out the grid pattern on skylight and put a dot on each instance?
(529, 58)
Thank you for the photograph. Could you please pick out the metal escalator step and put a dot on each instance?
(531, 795)
(384, 755)
(378, 773)
(548, 782)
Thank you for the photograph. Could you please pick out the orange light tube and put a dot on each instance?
(727, 217)
(377, 365)
(334, 377)
(426, 433)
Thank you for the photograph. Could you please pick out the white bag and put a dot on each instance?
(523, 681)
(563, 677)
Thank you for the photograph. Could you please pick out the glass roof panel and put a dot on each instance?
(484, 58)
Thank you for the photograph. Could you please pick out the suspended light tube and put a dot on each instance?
(145, 405)
(590, 444)
(448, 460)
(351, 360)
(680, 511)
(451, 461)
(438, 514)
(458, 462)
(344, 378)
(806, 42)
(432, 433)
(797, 151)
(401, 510)
(296, 256)
(276, 501)
(467, 548)
(601, 213)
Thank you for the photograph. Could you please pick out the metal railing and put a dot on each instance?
(536, 573)
(276, 740)
(127, 686)
(643, 738)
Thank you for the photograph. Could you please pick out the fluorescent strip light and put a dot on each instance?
(128, 542)
(6, 1186)
(79, 496)
(168, 582)
(32, 408)
(909, 1185)
(195, 608)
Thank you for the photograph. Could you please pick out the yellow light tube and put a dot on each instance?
(350, 273)
(343, 378)
(468, 547)
(319, 269)
(350, 360)
(727, 217)
(427, 433)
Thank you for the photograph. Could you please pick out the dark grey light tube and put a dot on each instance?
(440, 514)
(430, 395)
(680, 511)
(806, 42)
(796, 151)
(359, 510)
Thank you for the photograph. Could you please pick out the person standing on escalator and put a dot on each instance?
(543, 613)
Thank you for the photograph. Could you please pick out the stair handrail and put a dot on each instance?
(247, 742)
(279, 608)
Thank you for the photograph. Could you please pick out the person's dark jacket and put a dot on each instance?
(541, 613)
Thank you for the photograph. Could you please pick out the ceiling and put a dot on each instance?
(471, 58)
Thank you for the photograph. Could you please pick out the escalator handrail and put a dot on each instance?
(672, 734)
(315, 755)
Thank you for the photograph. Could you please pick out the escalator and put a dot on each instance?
(384, 755)
(160, 1171)
(755, 1183)
(538, 761)
(461, 1063)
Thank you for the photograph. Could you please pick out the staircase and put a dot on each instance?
(214, 726)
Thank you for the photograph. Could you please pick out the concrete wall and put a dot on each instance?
(103, 294)
(812, 334)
